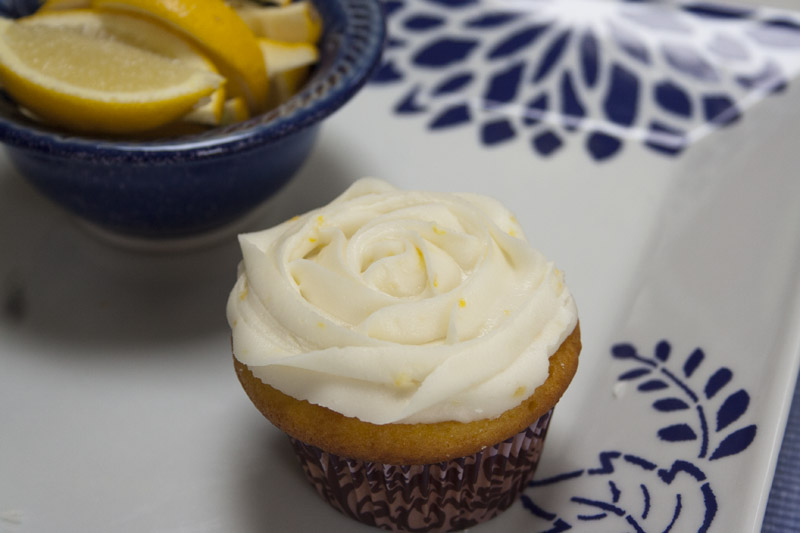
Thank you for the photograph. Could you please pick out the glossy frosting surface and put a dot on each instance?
(400, 306)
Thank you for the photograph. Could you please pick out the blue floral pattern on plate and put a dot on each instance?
(656, 493)
(551, 72)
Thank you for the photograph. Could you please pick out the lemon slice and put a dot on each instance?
(295, 22)
(91, 84)
(219, 31)
(142, 33)
(289, 65)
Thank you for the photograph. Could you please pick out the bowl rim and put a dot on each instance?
(351, 48)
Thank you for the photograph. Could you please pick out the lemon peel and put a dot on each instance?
(289, 65)
(294, 22)
(217, 29)
(142, 33)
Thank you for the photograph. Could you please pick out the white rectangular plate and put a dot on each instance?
(649, 149)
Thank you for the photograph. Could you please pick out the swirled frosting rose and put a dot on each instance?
(400, 306)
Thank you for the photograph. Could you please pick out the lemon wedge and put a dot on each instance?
(234, 110)
(219, 32)
(92, 84)
(295, 22)
(142, 33)
(289, 65)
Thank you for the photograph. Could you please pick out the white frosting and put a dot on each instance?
(395, 306)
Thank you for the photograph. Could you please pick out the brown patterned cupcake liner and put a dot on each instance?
(447, 496)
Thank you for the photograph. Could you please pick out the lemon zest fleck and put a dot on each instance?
(403, 380)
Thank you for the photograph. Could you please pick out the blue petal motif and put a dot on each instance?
(499, 33)
(719, 379)
(387, 73)
(623, 351)
(652, 385)
(622, 100)
(630, 44)
(491, 20)
(717, 11)
(552, 55)
(779, 33)
(688, 61)
(693, 362)
(454, 3)
(453, 84)
(735, 442)
(590, 58)
(547, 142)
(445, 51)
(452, 116)
(732, 408)
(634, 374)
(496, 132)
(536, 109)
(663, 349)
(677, 433)
(409, 105)
(668, 405)
(517, 41)
(423, 22)
(768, 79)
(784, 23)
(602, 146)
(504, 85)
(571, 106)
(720, 110)
(673, 98)
(669, 141)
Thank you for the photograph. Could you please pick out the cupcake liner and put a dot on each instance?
(447, 496)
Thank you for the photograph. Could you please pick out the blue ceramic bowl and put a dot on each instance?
(190, 185)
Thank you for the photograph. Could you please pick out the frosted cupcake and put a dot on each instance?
(412, 345)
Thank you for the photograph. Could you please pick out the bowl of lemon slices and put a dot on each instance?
(167, 119)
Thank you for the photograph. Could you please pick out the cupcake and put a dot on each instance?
(412, 345)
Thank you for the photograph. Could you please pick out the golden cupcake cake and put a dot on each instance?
(412, 345)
